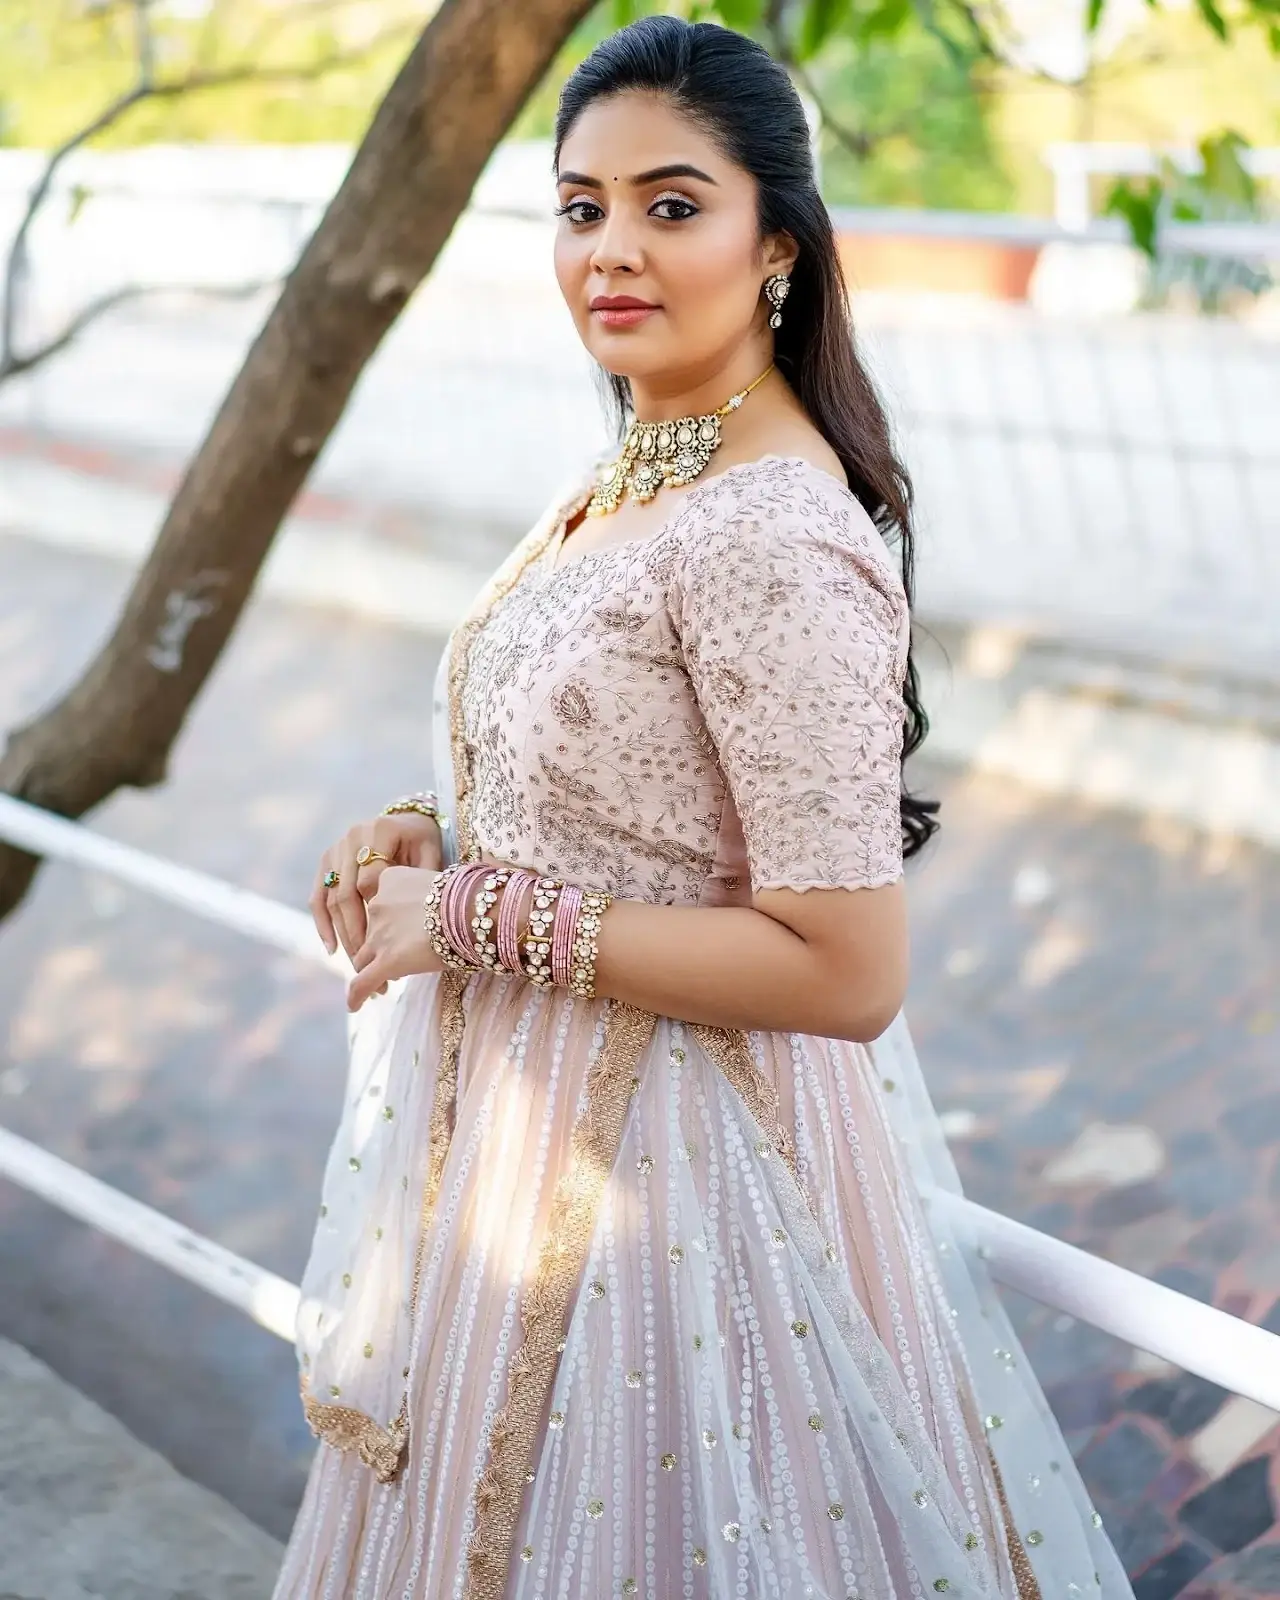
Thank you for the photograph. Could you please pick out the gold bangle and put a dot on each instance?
(537, 942)
(582, 962)
(423, 808)
(434, 928)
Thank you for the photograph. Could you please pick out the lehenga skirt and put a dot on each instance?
(683, 1316)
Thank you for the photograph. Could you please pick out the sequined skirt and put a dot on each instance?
(681, 1321)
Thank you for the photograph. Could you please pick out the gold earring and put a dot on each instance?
(776, 290)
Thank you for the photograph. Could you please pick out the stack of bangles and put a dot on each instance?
(473, 917)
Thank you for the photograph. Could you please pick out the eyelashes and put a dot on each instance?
(574, 209)
(571, 210)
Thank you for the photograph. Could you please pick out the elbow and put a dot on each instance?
(871, 1024)
(868, 1010)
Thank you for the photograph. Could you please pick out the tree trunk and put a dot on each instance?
(456, 95)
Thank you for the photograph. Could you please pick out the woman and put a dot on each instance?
(633, 1274)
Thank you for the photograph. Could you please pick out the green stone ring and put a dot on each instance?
(330, 879)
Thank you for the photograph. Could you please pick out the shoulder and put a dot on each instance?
(785, 520)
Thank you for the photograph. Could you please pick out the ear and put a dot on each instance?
(780, 253)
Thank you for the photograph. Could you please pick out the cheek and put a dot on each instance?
(571, 263)
(714, 277)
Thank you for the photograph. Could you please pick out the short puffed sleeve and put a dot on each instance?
(794, 629)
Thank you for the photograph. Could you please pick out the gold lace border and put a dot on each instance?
(381, 1449)
(344, 1428)
(544, 1312)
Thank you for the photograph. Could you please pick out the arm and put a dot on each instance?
(831, 962)
(793, 627)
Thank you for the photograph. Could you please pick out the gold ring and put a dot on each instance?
(366, 853)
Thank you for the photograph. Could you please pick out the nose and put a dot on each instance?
(617, 245)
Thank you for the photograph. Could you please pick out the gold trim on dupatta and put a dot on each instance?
(383, 1449)
(344, 1428)
(730, 1051)
(544, 1311)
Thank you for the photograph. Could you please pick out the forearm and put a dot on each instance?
(736, 967)
(828, 961)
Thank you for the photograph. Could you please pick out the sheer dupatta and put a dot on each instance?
(358, 1322)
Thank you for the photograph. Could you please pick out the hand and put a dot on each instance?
(408, 838)
(396, 944)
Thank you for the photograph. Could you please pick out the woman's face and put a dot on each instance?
(658, 253)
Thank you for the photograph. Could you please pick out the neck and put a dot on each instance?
(661, 397)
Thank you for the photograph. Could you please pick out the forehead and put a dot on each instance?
(623, 134)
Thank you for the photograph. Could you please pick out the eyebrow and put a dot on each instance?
(675, 169)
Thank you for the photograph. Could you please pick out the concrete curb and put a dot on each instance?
(1137, 736)
(1218, 779)
(89, 1513)
(313, 562)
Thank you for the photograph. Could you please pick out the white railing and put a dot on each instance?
(1198, 1338)
(1109, 477)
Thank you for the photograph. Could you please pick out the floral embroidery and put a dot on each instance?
(749, 656)
(575, 704)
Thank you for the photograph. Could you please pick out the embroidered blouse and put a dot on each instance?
(710, 709)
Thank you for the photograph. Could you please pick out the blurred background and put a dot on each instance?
(1061, 226)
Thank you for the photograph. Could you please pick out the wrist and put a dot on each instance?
(482, 917)
(423, 803)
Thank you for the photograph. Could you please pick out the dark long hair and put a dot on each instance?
(745, 101)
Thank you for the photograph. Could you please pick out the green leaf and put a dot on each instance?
(1225, 176)
(818, 22)
(1094, 14)
(740, 14)
(79, 195)
(1273, 39)
(887, 19)
(1139, 205)
(1209, 11)
(621, 12)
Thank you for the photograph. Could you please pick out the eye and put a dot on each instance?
(673, 208)
(580, 212)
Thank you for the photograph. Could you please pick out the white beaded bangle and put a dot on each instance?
(582, 962)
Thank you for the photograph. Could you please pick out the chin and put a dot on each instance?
(625, 356)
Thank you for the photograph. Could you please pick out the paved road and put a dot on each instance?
(1095, 999)
(88, 1513)
(1112, 476)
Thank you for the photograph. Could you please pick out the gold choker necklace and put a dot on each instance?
(658, 453)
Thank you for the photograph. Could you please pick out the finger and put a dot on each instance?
(345, 905)
(365, 956)
(393, 839)
(368, 878)
(319, 904)
(366, 983)
(412, 840)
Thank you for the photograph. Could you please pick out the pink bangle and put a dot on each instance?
(455, 912)
(564, 932)
(509, 922)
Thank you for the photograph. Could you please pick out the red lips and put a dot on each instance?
(621, 302)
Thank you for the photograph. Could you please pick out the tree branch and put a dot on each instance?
(148, 88)
(12, 366)
(474, 66)
(144, 43)
(38, 196)
(859, 142)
